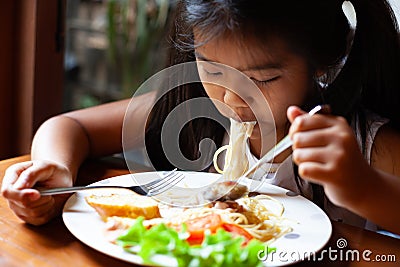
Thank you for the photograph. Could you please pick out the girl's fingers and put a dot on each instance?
(31, 199)
(13, 172)
(39, 171)
(302, 121)
(293, 112)
(303, 155)
(23, 196)
(43, 212)
(39, 211)
(308, 123)
(26, 202)
(35, 215)
(310, 139)
(35, 210)
(313, 171)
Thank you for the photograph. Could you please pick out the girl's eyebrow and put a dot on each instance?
(203, 58)
(269, 65)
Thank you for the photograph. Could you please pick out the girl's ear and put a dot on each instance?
(321, 78)
(319, 73)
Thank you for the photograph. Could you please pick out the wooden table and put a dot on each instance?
(53, 245)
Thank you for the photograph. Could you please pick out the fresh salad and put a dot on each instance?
(221, 244)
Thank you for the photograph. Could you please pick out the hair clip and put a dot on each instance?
(350, 13)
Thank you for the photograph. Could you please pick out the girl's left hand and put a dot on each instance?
(326, 152)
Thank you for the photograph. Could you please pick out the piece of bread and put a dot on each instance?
(129, 205)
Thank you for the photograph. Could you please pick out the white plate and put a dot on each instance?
(311, 226)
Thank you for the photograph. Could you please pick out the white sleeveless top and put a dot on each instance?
(285, 177)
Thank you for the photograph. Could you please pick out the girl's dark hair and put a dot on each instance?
(314, 29)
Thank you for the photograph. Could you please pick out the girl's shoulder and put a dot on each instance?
(366, 126)
(385, 149)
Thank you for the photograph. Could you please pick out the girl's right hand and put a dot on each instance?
(25, 201)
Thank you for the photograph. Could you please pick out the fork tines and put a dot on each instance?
(165, 183)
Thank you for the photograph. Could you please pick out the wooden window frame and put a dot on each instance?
(31, 73)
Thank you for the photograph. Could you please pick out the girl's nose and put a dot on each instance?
(234, 100)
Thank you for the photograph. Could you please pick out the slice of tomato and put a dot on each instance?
(196, 227)
(236, 230)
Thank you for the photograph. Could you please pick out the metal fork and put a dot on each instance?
(152, 188)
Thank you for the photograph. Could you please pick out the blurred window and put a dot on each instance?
(112, 46)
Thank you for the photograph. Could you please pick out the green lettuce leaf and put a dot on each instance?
(219, 249)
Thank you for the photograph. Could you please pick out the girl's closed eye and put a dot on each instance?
(212, 72)
(265, 82)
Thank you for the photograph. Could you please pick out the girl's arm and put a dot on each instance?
(60, 146)
(382, 190)
(70, 138)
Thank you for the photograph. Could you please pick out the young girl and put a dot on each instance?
(346, 161)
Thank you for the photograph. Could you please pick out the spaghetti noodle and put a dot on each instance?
(236, 162)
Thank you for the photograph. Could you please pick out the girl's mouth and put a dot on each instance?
(241, 116)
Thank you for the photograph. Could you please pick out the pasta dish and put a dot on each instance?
(251, 222)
